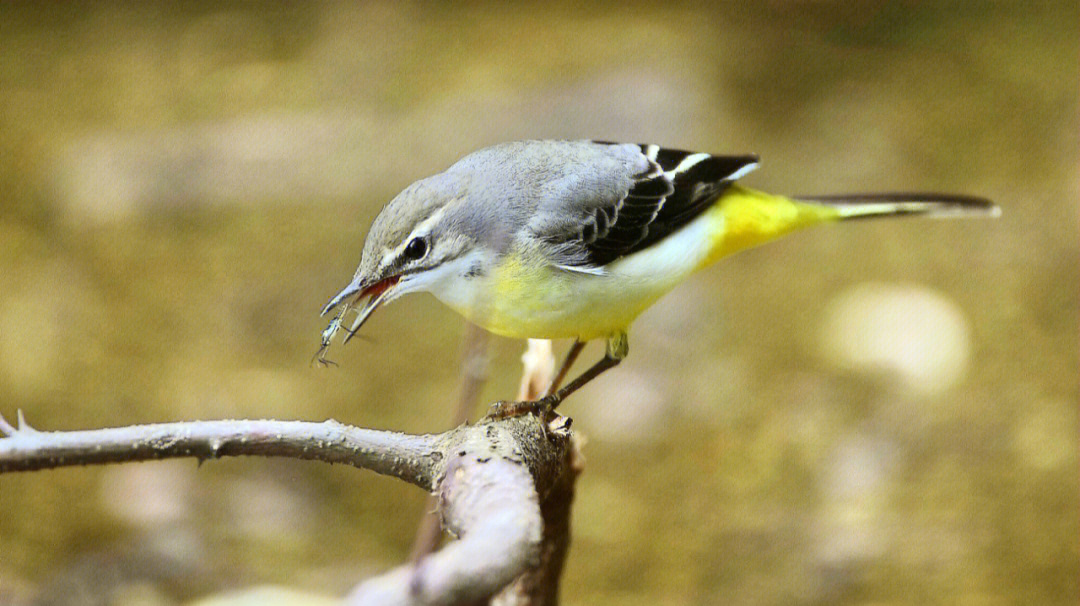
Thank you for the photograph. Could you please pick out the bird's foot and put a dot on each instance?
(554, 424)
(543, 408)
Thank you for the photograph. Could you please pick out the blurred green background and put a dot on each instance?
(880, 412)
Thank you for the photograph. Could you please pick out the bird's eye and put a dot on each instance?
(416, 249)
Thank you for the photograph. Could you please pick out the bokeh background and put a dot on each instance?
(880, 412)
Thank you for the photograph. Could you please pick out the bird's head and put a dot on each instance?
(419, 242)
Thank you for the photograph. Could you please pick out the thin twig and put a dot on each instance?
(408, 457)
(538, 365)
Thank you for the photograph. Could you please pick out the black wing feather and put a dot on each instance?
(662, 200)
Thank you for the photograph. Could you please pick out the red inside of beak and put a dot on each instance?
(379, 287)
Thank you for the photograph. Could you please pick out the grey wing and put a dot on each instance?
(599, 226)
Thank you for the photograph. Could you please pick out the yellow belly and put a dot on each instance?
(527, 297)
(550, 303)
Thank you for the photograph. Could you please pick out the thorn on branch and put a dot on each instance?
(21, 426)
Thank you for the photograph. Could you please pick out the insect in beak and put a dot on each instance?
(376, 294)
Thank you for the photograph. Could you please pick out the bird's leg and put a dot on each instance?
(568, 361)
(617, 348)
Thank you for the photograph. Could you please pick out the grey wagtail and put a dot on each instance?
(574, 239)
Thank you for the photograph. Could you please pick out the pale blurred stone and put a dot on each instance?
(623, 405)
(912, 331)
(267, 596)
(148, 495)
(854, 522)
(266, 509)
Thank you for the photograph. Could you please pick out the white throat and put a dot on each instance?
(457, 283)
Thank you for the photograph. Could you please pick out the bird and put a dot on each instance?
(549, 239)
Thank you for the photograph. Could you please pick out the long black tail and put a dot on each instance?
(859, 206)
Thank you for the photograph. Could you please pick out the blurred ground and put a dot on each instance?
(874, 413)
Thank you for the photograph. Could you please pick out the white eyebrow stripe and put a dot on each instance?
(424, 226)
(421, 229)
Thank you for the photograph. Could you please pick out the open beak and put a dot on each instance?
(376, 294)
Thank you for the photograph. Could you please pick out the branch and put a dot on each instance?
(411, 458)
(493, 480)
(540, 584)
(490, 496)
(512, 527)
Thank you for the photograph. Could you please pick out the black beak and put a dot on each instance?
(354, 287)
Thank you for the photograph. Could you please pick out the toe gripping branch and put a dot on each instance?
(617, 349)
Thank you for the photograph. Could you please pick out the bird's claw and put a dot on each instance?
(554, 425)
(543, 408)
